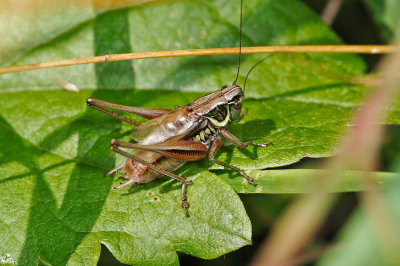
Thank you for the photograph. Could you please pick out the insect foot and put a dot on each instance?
(185, 204)
(264, 144)
(248, 178)
(115, 170)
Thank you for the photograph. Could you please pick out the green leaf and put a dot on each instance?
(300, 180)
(386, 16)
(57, 206)
(59, 211)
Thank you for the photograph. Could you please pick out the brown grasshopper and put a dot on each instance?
(172, 137)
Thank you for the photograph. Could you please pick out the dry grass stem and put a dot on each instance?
(360, 49)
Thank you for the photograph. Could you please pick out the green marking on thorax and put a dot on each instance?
(222, 123)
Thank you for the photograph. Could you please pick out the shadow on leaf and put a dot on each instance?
(63, 228)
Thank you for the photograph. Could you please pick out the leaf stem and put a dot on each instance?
(360, 49)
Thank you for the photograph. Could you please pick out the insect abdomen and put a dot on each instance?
(140, 173)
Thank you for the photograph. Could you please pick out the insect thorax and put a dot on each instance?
(205, 135)
(217, 118)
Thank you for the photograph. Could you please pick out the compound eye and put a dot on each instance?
(238, 105)
(235, 110)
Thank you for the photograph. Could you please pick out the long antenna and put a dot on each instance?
(240, 41)
(253, 67)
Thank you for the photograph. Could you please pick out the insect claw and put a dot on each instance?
(126, 184)
(118, 187)
(265, 144)
(251, 181)
(113, 171)
(248, 178)
(185, 209)
(185, 203)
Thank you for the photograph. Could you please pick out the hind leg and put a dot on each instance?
(185, 183)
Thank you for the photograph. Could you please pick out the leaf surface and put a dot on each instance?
(57, 205)
(58, 211)
(301, 180)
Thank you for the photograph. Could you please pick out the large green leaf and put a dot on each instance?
(58, 211)
(56, 205)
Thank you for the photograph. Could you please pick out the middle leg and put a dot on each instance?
(215, 145)
(235, 141)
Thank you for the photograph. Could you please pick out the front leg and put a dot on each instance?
(235, 141)
(215, 145)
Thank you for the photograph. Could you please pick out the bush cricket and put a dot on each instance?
(170, 138)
